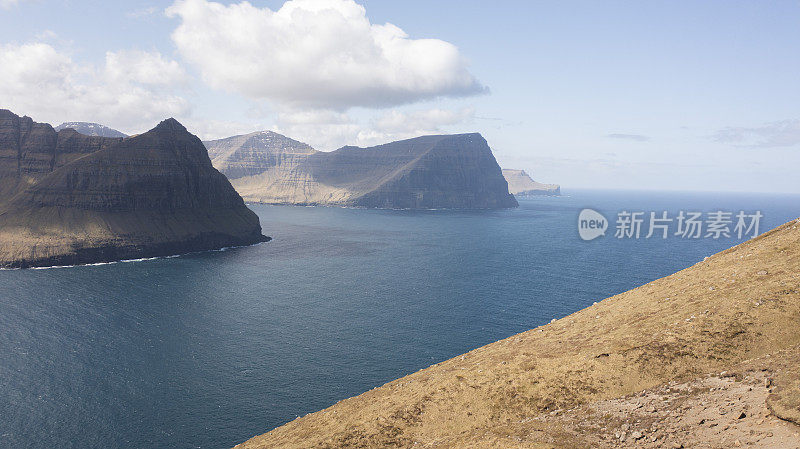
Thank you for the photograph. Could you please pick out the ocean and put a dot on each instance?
(209, 349)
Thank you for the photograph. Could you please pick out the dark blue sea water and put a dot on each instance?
(207, 350)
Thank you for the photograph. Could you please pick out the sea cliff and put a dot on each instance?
(429, 172)
(75, 199)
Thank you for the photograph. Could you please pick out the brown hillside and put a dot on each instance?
(571, 383)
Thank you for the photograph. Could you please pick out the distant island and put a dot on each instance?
(429, 172)
(91, 129)
(75, 199)
(521, 184)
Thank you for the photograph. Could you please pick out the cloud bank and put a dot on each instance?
(328, 130)
(316, 54)
(633, 137)
(130, 91)
(8, 4)
(784, 133)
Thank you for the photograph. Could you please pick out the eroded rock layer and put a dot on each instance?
(31, 150)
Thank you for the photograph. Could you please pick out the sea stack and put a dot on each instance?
(521, 184)
(429, 172)
(155, 194)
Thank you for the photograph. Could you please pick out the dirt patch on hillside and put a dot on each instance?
(725, 410)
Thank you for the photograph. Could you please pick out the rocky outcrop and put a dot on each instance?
(91, 129)
(521, 184)
(154, 194)
(429, 172)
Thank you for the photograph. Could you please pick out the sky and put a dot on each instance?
(656, 95)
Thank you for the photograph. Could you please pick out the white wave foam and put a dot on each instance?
(143, 259)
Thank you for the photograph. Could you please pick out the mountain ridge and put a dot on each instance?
(30, 150)
(245, 154)
(91, 129)
(427, 172)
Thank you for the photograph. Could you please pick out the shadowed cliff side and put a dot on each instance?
(30, 150)
(429, 172)
(716, 343)
(154, 194)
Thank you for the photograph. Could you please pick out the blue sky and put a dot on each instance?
(638, 95)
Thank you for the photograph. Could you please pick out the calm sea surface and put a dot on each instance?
(207, 350)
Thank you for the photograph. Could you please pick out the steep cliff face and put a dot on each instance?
(430, 172)
(150, 195)
(91, 129)
(31, 150)
(521, 184)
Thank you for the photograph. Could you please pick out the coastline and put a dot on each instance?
(348, 206)
(36, 266)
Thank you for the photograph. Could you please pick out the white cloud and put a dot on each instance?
(46, 35)
(328, 130)
(143, 12)
(420, 122)
(314, 117)
(127, 92)
(8, 4)
(316, 54)
(143, 67)
(398, 125)
(784, 133)
(210, 129)
(633, 137)
(322, 129)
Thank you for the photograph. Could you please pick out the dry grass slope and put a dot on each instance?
(733, 309)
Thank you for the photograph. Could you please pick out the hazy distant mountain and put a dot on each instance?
(91, 129)
(252, 154)
(79, 199)
(430, 172)
(520, 184)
